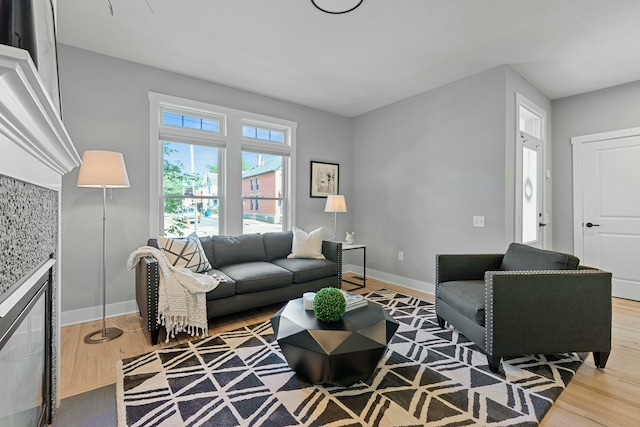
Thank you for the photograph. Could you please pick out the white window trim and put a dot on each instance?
(231, 130)
(522, 100)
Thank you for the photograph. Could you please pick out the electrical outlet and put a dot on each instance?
(478, 221)
(400, 256)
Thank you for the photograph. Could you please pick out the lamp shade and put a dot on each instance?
(103, 169)
(335, 203)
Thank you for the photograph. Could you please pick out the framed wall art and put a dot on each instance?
(325, 178)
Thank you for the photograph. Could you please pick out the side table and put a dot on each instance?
(347, 247)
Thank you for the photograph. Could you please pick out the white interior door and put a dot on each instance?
(611, 211)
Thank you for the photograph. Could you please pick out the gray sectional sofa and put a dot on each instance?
(257, 273)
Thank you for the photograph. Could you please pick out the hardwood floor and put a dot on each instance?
(609, 397)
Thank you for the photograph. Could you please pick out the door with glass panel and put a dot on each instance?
(530, 173)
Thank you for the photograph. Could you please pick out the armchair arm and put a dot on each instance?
(147, 282)
(545, 312)
(465, 267)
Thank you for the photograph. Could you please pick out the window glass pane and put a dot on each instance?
(184, 216)
(190, 169)
(248, 132)
(529, 195)
(190, 122)
(262, 205)
(530, 123)
(252, 132)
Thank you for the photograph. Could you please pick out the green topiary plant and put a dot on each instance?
(329, 304)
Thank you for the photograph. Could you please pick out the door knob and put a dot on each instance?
(542, 224)
(589, 224)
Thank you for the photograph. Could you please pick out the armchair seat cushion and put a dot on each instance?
(465, 296)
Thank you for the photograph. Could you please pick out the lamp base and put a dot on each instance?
(102, 335)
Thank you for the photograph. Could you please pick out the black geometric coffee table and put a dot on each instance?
(339, 353)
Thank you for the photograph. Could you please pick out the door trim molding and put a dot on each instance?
(540, 112)
(577, 143)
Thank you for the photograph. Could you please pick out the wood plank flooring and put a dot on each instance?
(609, 397)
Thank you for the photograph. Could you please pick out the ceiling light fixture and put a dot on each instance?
(336, 7)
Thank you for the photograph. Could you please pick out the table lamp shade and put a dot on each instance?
(335, 203)
(103, 169)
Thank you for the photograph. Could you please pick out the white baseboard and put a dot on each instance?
(426, 287)
(73, 317)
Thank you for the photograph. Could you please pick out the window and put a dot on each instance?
(190, 188)
(264, 134)
(266, 205)
(206, 178)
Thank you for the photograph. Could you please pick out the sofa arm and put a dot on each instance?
(465, 267)
(547, 311)
(333, 252)
(147, 282)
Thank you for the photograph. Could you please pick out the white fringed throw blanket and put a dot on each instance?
(182, 304)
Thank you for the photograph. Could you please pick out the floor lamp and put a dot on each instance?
(103, 169)
(335, 203)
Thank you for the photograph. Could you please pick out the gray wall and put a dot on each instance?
(425, 165)
(105, 106)
(604, 110)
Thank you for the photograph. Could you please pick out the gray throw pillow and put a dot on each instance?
(523, 257)
(229, 250)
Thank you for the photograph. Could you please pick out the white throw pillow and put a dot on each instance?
(306, 245)
(185, 252)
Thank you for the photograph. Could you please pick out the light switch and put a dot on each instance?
(478, 221)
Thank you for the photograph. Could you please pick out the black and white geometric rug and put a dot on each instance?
(428, 376)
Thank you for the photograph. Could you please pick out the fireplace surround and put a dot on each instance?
(36, 152)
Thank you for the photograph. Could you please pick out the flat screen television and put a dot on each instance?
(17, 26)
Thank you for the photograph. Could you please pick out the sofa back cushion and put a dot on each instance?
(277, 244)
(229, 250)
(523, 257)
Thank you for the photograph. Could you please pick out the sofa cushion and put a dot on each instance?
(466, 297)
(224, 289)
(185, 252)
(305, 270)
(524, 257)
(207, 247)
(228, 250)
(257, 276)
(306, 245)
(277, 244)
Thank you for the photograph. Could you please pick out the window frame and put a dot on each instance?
(230, 160)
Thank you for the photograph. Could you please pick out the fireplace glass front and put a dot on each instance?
(22, 364)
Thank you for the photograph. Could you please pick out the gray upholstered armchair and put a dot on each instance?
(527, 301)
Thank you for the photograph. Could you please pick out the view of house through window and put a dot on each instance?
(200, 162)
(262, 192)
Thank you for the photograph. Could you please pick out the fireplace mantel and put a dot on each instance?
(27, 115)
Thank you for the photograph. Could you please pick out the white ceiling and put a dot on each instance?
(382, 52)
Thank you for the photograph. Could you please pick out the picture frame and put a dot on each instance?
(47, 50)
(325, 179)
